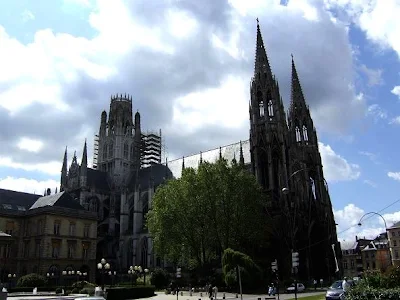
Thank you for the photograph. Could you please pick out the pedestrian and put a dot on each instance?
(321, 282)
(345, 286)
(215, 292)
(210, 291)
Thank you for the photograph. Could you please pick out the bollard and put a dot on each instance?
(201, 294)
(181, 293)
(223, 297)
(259, 298)
(237, 296)
(190, 293)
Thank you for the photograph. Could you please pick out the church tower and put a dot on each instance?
(308, 187)
(268, 127)
(119, 139)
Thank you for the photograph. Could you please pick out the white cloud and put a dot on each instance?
(379, 19)
(27, 16)
(374, 76)
(51, 167)
(394, 175)
(370, 183)
(395, 120)
(28, 185)
(376, 112)
(396, 91)
(348, 228)
(30, 145)
(337, 168)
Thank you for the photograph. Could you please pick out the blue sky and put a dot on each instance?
(63, 59)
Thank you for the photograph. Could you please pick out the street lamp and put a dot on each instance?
(386, 230)
(103, 266)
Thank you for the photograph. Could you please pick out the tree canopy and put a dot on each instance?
(206, 211)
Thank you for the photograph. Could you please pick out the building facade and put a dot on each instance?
(47, 234)
(394, 242)
(282, 152)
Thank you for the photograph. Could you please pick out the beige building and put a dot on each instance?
(48, 235)
(394, 241)
(352, 262)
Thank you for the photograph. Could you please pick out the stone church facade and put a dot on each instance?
(282, 153)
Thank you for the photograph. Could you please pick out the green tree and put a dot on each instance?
(206, 211)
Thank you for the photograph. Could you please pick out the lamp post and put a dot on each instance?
(103, 266)
(145, 271)
(112, 274)
(386, 230)
(11, 277)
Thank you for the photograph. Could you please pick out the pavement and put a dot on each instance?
(186, 296)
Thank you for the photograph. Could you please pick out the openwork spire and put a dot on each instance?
(65, 162)
(297, 97)
(84, 155)
(261, 64)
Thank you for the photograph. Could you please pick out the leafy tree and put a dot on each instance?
(32, 280)
(159, 278)
(206, 211)
(232, 260)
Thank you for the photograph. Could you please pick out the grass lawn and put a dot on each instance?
(315, 297)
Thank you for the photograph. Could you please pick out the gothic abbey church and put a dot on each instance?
(282, 153)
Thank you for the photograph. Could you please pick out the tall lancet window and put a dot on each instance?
(105, 152)
(261, 108)
(111, 150)
(305, 133)
(312, 183)
(270, 108)
(298, 135)
(126, 151)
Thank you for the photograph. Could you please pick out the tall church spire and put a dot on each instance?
(297, 97)
(64, 172)
(84, 155)
(261, 64)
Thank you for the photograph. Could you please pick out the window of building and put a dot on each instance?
(393, 233)
(57, 227)
(28, 228)
(37, 248)
(55, 251)
(373, 265)
(72, 227)
(21, 208)
(352, 263)
(6, 251)
(367, 265)
(26, 249)
(396, 254)
(345, 266)
(105, 152)
(298, 135)
(71, 250)
(394, 243)
(7, 206)
(270, 109)
(85, 250)
(86, 231)
(305, 133)
(126, 150)
(111, 150)
(9, 227)
(40, 227)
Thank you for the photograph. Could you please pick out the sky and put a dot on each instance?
(188, 65)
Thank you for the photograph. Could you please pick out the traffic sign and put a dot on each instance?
(178, 273)
(295, 259)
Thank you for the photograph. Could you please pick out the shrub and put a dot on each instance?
(32, 280)
(87, 290)
(82, 284)
(159, 278)
(362, 293)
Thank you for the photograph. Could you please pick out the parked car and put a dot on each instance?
(300, 288)
(335, 291)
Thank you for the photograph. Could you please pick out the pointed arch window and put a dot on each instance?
(270, 108)
(105, 152)
(305, 133)
(111, 150)
(312, 183)
(126, 150)
(144, 252)
(132, 151)
(261, 108)
(298, 135)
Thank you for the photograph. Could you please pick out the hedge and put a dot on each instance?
(373, 293)
(130, 293)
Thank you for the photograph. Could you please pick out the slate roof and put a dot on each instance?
(62, 199)
(97, 179)
(395, 225)
(228, 152)
(156, 172)
(16, 201)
